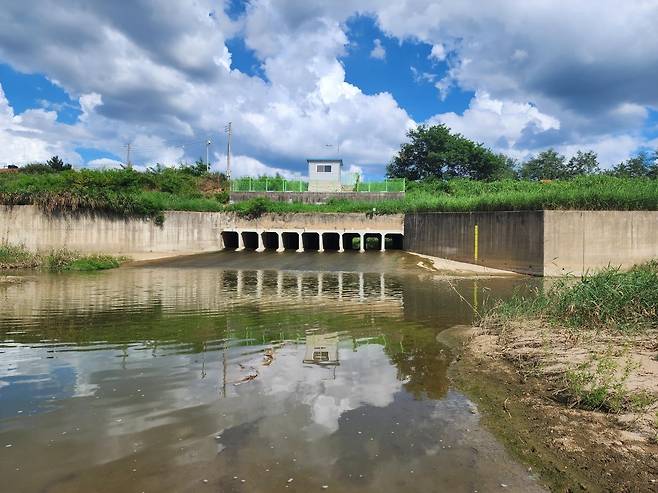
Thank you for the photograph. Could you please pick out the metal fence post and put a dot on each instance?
(386, 185)
(250, 188)
(266, 184)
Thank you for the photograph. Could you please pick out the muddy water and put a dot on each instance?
(244, 372)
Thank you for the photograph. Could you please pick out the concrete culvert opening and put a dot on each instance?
(291, 241)
(311, 241)
(330, 241)
(271, 240)
(350, 241)
(230, 239)
(394, 241)
(372, 241)
(250, 239)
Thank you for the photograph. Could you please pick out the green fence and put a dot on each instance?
(268, 185)
(397, 185)
(282, 185)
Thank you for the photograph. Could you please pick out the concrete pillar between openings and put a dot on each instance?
(261, 245)
(383, 245)
(301, 244)
(340, 243)
(321, 249)
(281, 247)
(240, 242)
(362, 244)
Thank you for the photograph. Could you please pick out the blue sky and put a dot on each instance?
(293, 77)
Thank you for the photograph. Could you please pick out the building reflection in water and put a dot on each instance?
(322, 349)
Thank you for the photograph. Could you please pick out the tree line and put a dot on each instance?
(434, 152)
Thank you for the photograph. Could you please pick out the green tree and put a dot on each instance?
(547, 165)
(652, 171)
(636, 167)
(199, 168)
(435, 152)
(57, 164)
(583, 163)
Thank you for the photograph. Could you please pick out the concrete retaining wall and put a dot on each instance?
(182, 232)
(532, 242)
(543, 243)
(317, 197)
(507, 240)
(580, 241)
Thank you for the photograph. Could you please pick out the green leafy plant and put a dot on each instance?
(600, 384)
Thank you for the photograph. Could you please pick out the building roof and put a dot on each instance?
(324, 160)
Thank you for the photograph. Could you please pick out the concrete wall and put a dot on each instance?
(321, 222)
(578, 241)
(182, 232)
(507, 240)
(317, 197)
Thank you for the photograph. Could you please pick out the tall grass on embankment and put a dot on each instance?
(125, 192)
(610, 300)
(15, 257)
(128, 192)
(459, 195)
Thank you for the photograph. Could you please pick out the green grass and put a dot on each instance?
(124, 192)
(128, 192)
(588, 193)
(18, 257)
(606, 300)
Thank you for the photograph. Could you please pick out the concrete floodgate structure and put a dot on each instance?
(301, 241)
(313, 232)
(541, 243)
(185, 233)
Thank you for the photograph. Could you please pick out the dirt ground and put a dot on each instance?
(516, 376)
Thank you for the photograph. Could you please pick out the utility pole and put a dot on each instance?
(208, 142)
(128, 164)
(228, 152)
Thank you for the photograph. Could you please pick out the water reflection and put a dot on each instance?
(153, 378)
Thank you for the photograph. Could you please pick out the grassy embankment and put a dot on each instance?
(128, 192)
(568, 378)
(125, 192)
(17, 257)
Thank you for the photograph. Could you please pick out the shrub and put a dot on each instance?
(17, 257)
(600, 384)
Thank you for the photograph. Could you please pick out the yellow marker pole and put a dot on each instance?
(477, 241)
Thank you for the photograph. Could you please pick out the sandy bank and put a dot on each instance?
(517, 376)
(459, 268)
